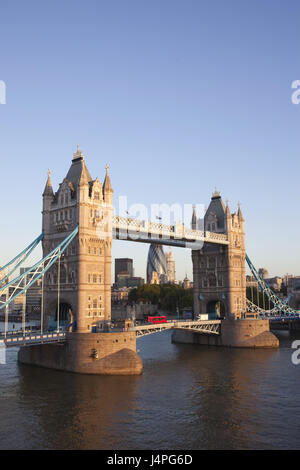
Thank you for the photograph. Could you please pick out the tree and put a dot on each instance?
(165, 296)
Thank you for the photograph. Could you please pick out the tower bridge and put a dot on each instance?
(31, 337)
(78, 226)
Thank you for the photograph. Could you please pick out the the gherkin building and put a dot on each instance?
(156, 262)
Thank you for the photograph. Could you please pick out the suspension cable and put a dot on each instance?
(36, 272)
(58, 292)
(42, 305)
(278, 304)
(24, 309)
(20, 258)
(6, 320)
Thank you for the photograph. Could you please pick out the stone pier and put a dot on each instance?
(88, 353)
(234, 333)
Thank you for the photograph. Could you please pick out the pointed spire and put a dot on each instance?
(216, 194)
(78, 172)
(240, 215)
(107, 187)
(77, 154)
(48, 191)
(227, 210)
(194, 218)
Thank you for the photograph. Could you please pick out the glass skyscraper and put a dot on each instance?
(156, 263)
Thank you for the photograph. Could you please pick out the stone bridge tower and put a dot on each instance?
(219, 270)
(84, 270)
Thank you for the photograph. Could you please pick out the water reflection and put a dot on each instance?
(77, 411)
(189, 397)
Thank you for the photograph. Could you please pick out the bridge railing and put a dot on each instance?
(199, 326)
(38, 338)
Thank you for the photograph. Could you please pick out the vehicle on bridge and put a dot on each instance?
(158, 319)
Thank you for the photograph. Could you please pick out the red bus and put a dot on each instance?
(161, 319)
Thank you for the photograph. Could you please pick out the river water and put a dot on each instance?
(188, 397)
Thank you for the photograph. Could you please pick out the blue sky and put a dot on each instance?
(177, 96)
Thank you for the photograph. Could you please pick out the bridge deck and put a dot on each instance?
(200, 326)
(146, 231)
(14, 338)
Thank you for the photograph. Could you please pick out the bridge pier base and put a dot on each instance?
(234, 333)
(88, 353)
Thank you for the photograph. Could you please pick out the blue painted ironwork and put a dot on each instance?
(20, 258)
(279, 305)
(21, 283)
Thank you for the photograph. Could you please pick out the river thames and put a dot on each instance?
(188, 397)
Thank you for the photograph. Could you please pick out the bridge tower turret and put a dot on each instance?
(219, 270)
(47, 199)
(107, 202)
(194, 218)
(84, 272)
